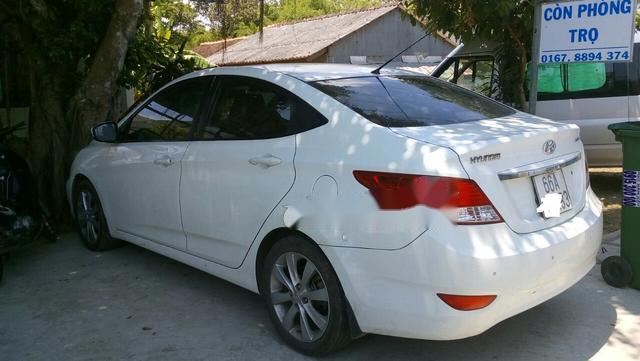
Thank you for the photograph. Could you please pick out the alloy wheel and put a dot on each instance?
(299, 297)
(88, 216)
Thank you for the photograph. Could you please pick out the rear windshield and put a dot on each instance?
(411, 101)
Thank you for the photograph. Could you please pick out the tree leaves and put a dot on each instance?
(507, 23)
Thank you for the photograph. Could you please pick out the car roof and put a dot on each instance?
(311, 72)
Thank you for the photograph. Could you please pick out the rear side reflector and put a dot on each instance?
(467, 303)
(461, 199)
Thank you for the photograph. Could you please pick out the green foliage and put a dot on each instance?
(157, 54)
(69, 32)
(504, 22)
(152, 62)
(289, 10)
(175, 21)
(234, 18)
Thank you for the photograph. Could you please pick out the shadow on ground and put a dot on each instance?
(62, 302)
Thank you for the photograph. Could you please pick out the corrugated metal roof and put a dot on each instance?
(211, 47)
(299, 40)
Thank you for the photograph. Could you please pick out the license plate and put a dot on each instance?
(553, 182)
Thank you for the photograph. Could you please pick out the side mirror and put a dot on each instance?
(105, 132)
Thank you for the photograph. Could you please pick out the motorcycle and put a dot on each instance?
(23, 218)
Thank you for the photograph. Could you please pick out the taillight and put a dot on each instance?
(461, 199)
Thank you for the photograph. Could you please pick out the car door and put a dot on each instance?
(142, 178)
(240, 166)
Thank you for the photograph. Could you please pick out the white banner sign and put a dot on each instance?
(587, 31)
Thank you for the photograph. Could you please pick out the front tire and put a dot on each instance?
(90, 220)
(304, 297)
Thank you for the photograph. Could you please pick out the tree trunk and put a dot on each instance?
(519, 92)
(61, 125)
(94, 102)
(48, 133)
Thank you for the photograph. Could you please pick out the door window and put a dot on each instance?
(170, 114)
(581, 80)
(247, 108)
(586, 76)
(475, 74)
(550, 78)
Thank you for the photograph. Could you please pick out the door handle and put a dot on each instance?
(265, 161)
(165, 161)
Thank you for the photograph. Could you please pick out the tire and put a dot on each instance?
(310, 313)
(91, 223)
(1, 267)
(616, 271)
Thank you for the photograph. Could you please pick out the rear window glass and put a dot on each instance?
(411, 101)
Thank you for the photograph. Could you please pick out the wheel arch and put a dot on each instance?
(279, 233)
(79, 177)
(270, 239)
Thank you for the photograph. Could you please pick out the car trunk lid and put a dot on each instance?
(508, 156)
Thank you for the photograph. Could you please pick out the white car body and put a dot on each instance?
(205, 204)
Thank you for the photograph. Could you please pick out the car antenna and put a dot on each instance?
(377, 70)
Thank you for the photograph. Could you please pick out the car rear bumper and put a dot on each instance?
(394, 292)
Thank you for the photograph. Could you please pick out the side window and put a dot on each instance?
(581, 80)
(476, 75)
(634, 71)
(550, 79)
(595, 80)
(170, 114)
(248, 108)
(450, 72)
(586, 76)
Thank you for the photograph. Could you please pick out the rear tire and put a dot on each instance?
(91, 223)
(307, 306)
(1, 267)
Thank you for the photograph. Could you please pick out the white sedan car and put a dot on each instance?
(353, 202)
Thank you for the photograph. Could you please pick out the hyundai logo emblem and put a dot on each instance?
(549, 147)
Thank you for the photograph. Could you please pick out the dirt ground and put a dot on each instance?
(607, 184)
(60, 301)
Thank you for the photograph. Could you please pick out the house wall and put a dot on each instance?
(386, 37)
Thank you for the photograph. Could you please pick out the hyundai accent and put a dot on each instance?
(353, 202)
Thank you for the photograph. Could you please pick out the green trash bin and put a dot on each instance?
(625, 270)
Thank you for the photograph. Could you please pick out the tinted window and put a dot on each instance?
(634, 71)
(410, 101)
(550, 78)
(586, 76)
(581, 80)
(170, 114)
(248, 108)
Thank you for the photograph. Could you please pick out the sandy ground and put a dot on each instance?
(607, 184)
